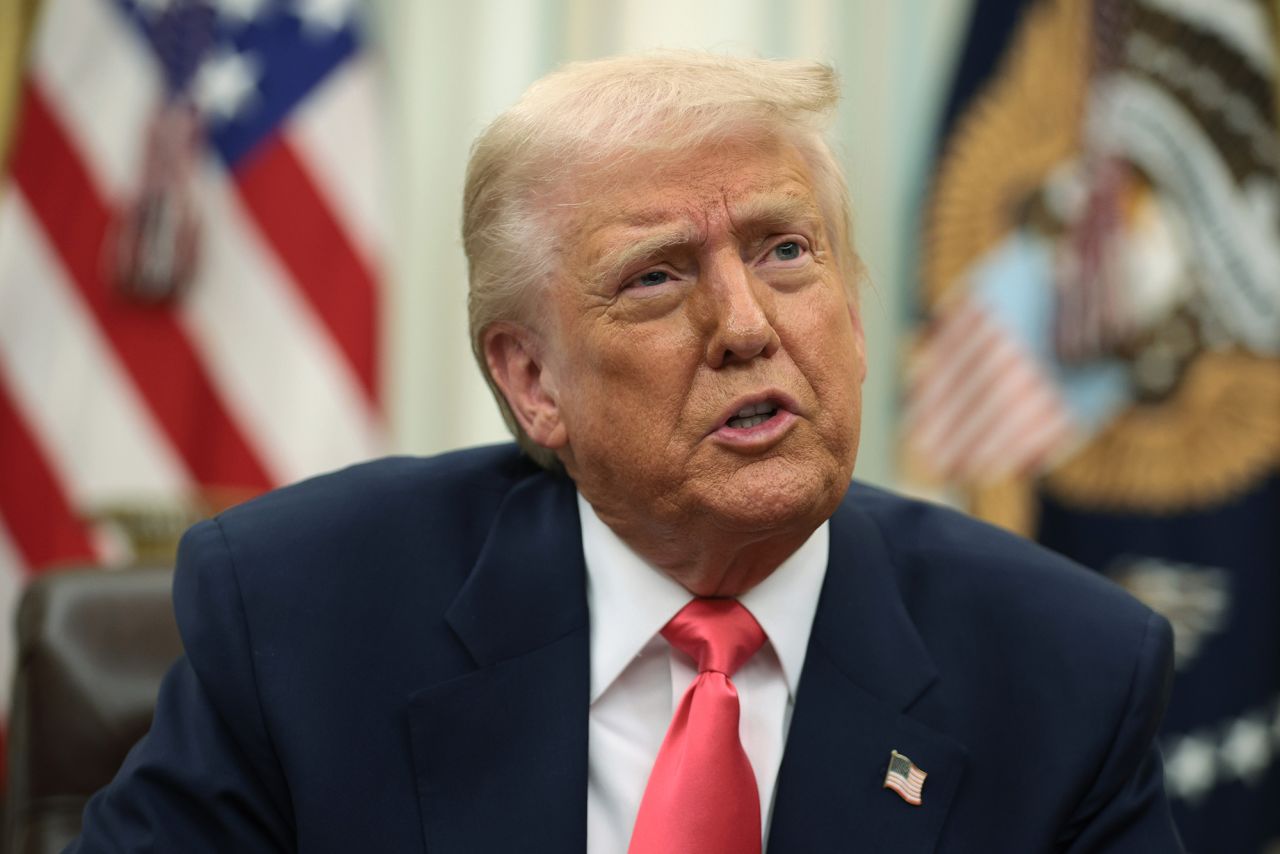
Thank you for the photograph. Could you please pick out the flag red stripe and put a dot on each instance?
(1034, 425)
(966, 411)
(935, 398)
(945, 363)
(909, 797)
(317, 252)
(993, 406)
(151, 344)
(35, 509)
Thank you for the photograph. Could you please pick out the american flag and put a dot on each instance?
(189, 245)
(905, 778)
(980, 407)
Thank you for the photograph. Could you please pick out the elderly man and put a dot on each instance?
(665, 623)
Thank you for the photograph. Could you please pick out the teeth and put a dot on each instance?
(751, 416)
(745, 423)
(755, 409)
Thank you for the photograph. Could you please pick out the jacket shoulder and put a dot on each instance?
(382, 492)
(941, 556)
(377, 536)
(1010, 624)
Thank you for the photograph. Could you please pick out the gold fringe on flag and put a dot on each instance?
(16, 19)
(1214, 437)
(1010, 503)
(1022, 126)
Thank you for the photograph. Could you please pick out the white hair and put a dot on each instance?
(604, 115)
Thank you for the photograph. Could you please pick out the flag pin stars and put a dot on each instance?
(904, 778)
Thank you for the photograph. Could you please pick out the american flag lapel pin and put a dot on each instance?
(904, 778)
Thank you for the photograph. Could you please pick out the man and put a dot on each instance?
(669, 625)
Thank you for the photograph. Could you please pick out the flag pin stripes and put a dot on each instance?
(904, 778)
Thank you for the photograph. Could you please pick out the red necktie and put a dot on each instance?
(701, 797)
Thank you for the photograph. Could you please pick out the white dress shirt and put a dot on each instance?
(637, 678)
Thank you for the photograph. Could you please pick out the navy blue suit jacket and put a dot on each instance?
(395, 658)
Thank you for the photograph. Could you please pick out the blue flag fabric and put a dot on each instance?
(1214, 573)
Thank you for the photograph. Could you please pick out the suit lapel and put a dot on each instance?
(865, 667)
(501, 753)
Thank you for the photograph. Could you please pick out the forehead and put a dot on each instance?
(756, 180)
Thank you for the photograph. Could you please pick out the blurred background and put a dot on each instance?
(230, 259)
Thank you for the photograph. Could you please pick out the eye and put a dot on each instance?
(788, 251)
(650, 278)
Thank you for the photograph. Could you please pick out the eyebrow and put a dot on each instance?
(777, 209)
(763, 210)
(614, 263)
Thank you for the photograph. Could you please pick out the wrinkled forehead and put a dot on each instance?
(758, 177)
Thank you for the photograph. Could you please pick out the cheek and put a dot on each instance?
(860, 343)
(629, 383)
(652, 358)
(828, 350)
(829, 335)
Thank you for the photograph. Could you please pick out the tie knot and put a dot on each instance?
(719, 634)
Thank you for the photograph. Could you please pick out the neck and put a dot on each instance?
(712, 562)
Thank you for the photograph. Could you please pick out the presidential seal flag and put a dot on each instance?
(905, 778)
(1098, 364)
(189, 252)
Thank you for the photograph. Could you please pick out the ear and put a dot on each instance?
(515, 362)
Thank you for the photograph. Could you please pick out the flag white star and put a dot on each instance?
(240, 11)
(1190, 767)
(323, 16)
(1246, 750)
(226, 82)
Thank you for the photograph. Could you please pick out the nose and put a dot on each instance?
(740, 308)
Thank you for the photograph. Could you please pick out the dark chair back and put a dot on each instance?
(93, 646)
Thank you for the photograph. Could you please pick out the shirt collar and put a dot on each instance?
(630, 601)
(784, 604)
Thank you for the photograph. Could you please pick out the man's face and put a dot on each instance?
(702, 353)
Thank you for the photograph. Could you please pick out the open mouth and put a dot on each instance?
(753, 415)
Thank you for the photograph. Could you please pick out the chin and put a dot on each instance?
(775, 497)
